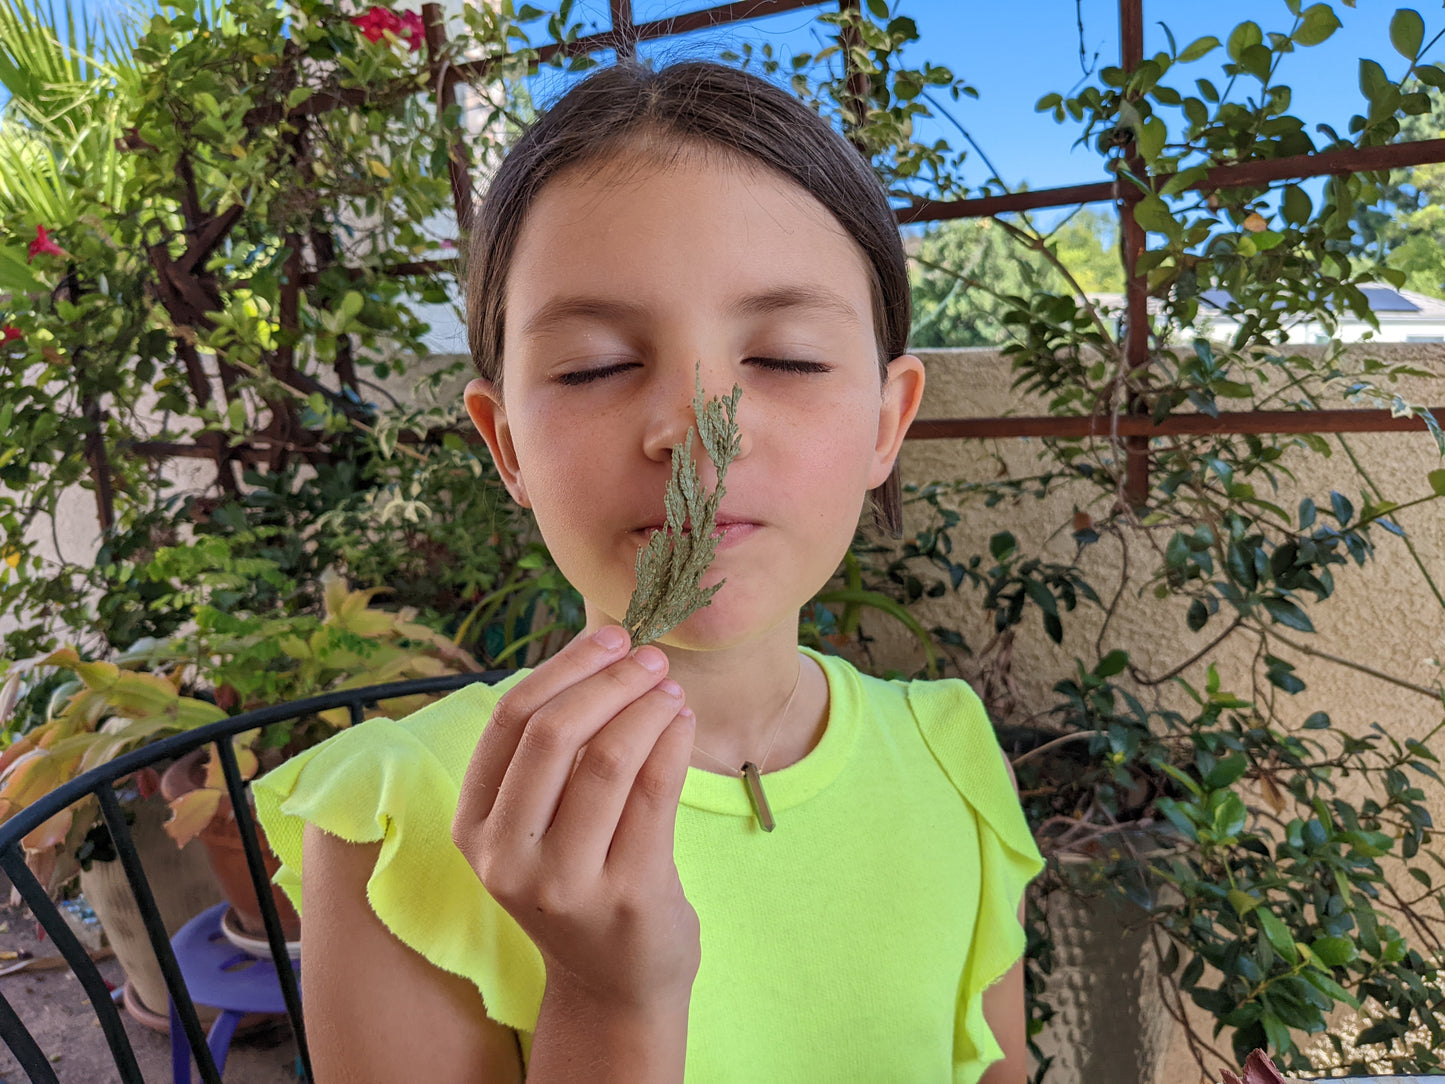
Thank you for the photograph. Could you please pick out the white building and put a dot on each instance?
(1404, 316)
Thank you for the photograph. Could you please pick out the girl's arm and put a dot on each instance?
(1003, 1008)
(377, 1011)
(567, 816)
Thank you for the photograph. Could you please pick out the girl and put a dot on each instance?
(564, 875)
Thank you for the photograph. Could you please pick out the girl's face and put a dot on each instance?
(627, 279)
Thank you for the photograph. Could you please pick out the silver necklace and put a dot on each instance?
(752, 774)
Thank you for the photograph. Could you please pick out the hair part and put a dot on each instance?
(628, 111)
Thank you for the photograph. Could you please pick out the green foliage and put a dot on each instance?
(1265, 842)
(188, 181)
(967, 274)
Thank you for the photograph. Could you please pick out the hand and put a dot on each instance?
(567, 814)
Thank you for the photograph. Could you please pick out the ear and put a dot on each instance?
(484, 404)
(902, 396)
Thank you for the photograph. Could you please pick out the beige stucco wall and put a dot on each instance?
(1382, 616)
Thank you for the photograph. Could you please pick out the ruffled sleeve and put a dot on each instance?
(397, 783)
(956, 727)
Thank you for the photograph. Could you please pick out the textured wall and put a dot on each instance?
(1382, 616)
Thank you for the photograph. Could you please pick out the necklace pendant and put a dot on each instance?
(754, 782)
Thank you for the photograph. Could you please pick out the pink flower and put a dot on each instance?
(9, 333)
(412, 31)
(376, 22)
(43, 245)
(379, 21)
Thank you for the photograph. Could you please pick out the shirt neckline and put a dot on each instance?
(799, 781)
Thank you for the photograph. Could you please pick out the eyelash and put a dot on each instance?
(776, 365)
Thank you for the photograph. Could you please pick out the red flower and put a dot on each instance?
(9, 333)
(412, 31)
(44, 245)
(378, 21)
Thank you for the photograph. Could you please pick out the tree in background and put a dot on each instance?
(965, 273)
(1406, 227)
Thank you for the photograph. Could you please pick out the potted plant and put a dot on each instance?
(227, 664)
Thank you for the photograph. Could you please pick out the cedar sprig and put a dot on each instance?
(671, 566)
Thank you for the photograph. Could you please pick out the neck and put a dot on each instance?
(739, 694)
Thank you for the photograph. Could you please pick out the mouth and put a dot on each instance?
(724, 528)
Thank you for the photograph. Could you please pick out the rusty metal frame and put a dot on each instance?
(186, 290)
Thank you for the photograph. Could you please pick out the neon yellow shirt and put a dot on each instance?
(853, 943)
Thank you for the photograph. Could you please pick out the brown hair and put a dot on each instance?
(630, 109)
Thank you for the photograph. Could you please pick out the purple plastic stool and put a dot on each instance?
(219, 974)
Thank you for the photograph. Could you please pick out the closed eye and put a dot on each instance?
(790, 365)
(587, 376)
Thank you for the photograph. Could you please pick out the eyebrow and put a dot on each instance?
(815, 299)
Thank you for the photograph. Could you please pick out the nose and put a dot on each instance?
(672, 413)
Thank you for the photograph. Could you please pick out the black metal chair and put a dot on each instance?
(100, 782)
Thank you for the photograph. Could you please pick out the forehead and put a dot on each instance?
(701, 229)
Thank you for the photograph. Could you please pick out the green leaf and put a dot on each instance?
(1340, 504)
(1111, 664)
(1276, 1032)
(1231, 816)
(1153, 214)
(1374, 83)
(1334, 951)
(1242, 37)
(1329, 987)
(1227, 772)
(1198, 615)
(15, 274)
(1407, 32)
(1437, 482)
(878, 8)
(1002, 545)
(1152, 134)
(1317, 24)
(1297, 206)
(1277, 934)
(1257, 59)
(1197, 48)
(1242, 902)
(1287, 613)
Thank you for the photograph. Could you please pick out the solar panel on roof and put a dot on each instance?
(1384, 299)
(1380, 299)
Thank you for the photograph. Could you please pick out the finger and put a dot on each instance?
(583, 657)
(587, 815)
(546, 753)
(645, 830)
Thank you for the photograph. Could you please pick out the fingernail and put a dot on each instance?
(610, 637)
(653, 659)
(670, 687)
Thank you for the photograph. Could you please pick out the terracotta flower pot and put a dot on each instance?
(183, 887)
(227, 855)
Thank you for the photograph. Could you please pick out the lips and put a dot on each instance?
(727, 527)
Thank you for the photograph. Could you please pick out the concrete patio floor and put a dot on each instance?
(55, 1009)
